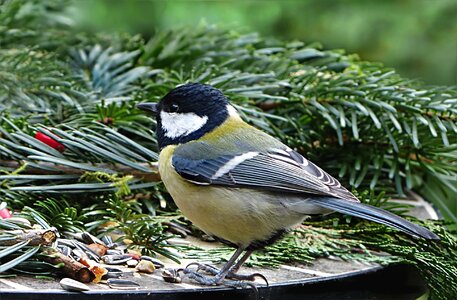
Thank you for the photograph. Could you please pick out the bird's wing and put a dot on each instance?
(282, 170)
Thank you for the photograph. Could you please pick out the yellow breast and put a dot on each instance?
(240, 216)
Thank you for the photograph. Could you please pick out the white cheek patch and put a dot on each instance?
(178, 125)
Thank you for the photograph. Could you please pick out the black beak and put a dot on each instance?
(148, 106)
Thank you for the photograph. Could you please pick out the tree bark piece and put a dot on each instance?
(70, 267)
(36, 237)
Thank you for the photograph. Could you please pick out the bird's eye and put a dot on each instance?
(174, 107)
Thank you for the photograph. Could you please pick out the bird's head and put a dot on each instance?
(188, 112)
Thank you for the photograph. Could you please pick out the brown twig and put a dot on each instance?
(70, 267)
(36, 237)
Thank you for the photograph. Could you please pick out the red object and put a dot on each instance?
(5, 213)
(97, 248)
(49, 141)
(134, 256)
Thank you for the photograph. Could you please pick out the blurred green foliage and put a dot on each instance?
(416, 37)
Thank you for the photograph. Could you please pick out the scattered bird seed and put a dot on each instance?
(114, 252)
(65, 250)
(116, 259)
(132, 263)
(108, 241)
(171, 275)
(122, 284)
(157, 263)
(88, 251)
(73, 285)
(113, 273)
(90, 239)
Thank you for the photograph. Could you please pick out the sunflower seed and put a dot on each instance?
(77, 254)
(65, 250)
(132, 263)
(112, 273)
(114, 252)
(157, 263)
(108, 241)
(116, 259)
(89, 252)
(73, 285)
(171, 275)
(122, 284)
(90, 239)
(66, 242)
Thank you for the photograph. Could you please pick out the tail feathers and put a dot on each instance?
(374, 214)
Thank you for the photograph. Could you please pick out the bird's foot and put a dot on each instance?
(202, 279)
(209, 269)
(241, 285)
(241, 278)
(238, 279)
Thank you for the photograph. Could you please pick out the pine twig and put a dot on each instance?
(36, 237)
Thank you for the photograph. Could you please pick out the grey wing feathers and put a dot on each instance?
(336, 189)
(263, 171)
(277, 170)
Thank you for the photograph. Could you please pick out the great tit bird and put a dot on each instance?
(239, 184)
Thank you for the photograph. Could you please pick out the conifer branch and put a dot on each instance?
(67, 102)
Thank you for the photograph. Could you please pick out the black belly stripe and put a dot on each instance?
(257, 244)
(260, 244)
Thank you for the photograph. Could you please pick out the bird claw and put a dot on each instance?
(244, 277)
(241, 284)
(204, 267)
(238, 279)
(244, 285)
(202, 279)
